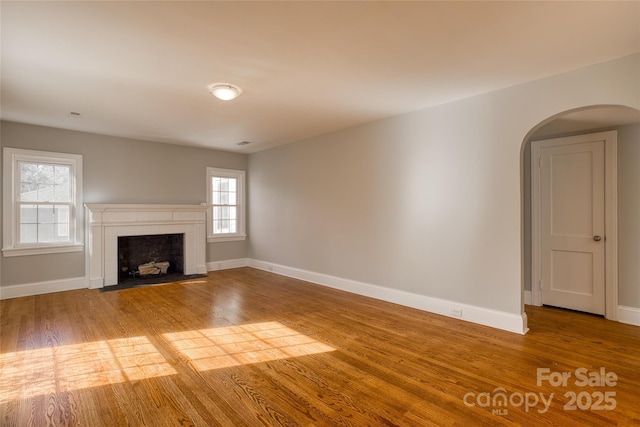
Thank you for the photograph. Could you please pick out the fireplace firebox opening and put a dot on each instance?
(150, 255)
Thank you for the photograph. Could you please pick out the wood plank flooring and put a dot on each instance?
(245, 347)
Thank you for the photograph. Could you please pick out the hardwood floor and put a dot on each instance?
(245, 347)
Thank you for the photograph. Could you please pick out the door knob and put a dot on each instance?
(597, 238)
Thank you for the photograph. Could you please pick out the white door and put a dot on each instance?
(572, 223)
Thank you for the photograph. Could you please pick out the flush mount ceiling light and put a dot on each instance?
(224, 91)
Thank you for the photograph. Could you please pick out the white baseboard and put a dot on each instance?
(226, 264)
(497, 319)
(527, 297)
(630, 315)
(30, 289)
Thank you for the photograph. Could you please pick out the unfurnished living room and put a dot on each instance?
(319, 213)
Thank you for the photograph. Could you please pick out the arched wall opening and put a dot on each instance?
(591, 119)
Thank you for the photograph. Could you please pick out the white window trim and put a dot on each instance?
(240, 234)
(10, 246)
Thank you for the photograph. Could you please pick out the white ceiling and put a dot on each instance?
(140, 69)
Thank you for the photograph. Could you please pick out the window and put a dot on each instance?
(225, 197)
(42, 194)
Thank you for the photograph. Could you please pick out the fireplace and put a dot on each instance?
(163, 250)
(108, 223)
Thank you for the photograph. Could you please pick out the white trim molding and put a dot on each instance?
(527, 297)
(630, 315)
(227, 264)
(40, 288)
(511, 322)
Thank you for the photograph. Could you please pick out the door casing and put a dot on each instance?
(610, 215)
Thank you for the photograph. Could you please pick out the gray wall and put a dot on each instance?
(428, 202)
(118, 170)
(629, 216)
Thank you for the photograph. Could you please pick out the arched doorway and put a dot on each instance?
(626, 121)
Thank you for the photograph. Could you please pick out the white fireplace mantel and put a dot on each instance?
(107, 222)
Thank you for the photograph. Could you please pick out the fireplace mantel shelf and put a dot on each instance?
(119, 213)
(107, 222)
(101, 207)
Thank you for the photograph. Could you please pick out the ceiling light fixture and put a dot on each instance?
(224, 91)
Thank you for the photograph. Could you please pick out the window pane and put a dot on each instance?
(45, 193)
(233, 184)
(61, 232)
(28, 233)
(45, 233)
(45, 182)
(28, 214)
(232, 212)
(46, 174)
(62, 174)
(62, 214)
(28, 192)
(232, 226)
(221, 226)
(224, 198)
(45, 214)
(61, 193)
(220, 184)
(28, 172)
(233, 198)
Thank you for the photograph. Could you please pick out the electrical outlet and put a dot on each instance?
(457, 312)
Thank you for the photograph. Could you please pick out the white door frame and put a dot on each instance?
(610, 216)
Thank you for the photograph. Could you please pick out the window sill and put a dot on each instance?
(227, 238)
(41, 250)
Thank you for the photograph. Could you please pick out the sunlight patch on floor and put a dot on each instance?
(224, 347)
(29, 373)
